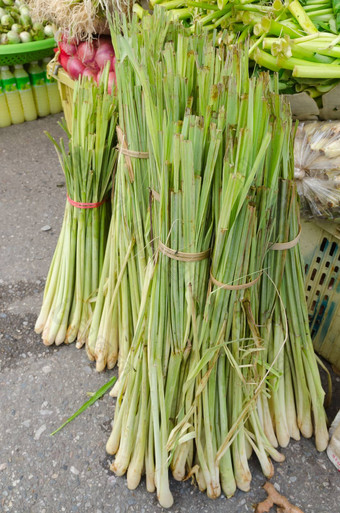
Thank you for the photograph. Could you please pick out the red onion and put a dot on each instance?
(103, 55)
(75, 67)
(89, 73)
(103, 41)
(68, 48)
(86, 52)
(93, 67)
(63, 59)
(112, 81)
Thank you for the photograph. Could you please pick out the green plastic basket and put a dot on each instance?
(26, 52)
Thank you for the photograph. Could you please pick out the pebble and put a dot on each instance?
(39, 432)
(47, 369)
(26, 423)
(3, 466)
(74, 471)
(112, 480)
(46, 228)
(277, 487)
(293, 479)
(3, 316)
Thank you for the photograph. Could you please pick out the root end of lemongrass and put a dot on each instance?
(178, 475)
(80, 343)
(306, 433)
(47, 342)
(117, 468)
(38, 328)
(111, 363)
(150, 484)
(133, 478)
(283, 440)
(111, 446)
(213, 492)
(321, 441)
(100, 363)
(89, 354)
(166, 500)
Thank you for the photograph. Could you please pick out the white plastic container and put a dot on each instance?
(37, 77)
(5, 117)
(52, 92)
(12, 95)
(26, 94)
(333, 449)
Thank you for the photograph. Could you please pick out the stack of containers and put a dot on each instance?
(27, 93)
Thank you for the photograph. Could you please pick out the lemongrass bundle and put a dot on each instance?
(118, 298)
(73, 278)
(169, 332)
(223, 382)
(138, 176)
(202, 373)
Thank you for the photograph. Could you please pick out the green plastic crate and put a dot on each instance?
(26, 52)
(320, 247)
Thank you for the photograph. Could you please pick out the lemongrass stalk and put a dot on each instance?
(316, 71)
(334, 52)
(302, 18)
(266, 60)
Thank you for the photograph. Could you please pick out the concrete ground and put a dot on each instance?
(40, 387)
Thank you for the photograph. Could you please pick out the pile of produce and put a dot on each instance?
(80, 18)
(88, 165)
(301, 42)
(317, 168)
(16, 25)
(87, 58)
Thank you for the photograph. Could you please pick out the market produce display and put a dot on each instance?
(300, 41)
(193, 281)
(78, 259)
(16, 25)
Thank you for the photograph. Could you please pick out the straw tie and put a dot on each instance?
(128, 154)
(234, 287)
(282, 246)
(181, 256)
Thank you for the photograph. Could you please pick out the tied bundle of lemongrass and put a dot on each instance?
(76, 267)
(130, 241)
(194, 385)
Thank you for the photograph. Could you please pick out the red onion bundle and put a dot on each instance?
(87, 58)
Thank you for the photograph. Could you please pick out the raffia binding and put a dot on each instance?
(282, 246)
(123, 148)
(234, 287)
(135, 154)
(182, 257)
